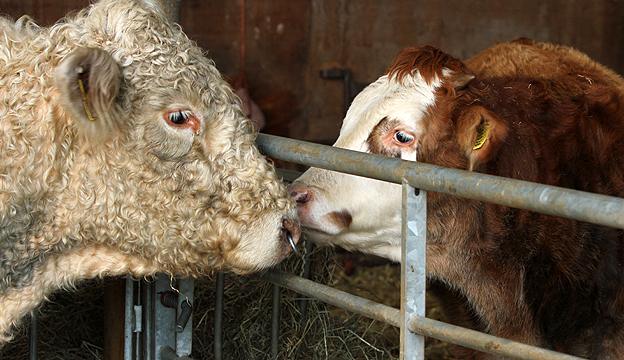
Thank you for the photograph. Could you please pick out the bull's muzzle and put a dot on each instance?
(291, 232)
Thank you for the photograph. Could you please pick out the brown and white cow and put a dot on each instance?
(535, 112)
(122, 150)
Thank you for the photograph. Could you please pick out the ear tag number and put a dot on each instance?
(483, 132)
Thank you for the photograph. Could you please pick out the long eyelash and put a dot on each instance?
(186, 114)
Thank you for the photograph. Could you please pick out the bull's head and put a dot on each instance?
(165, 166)
(390, 117)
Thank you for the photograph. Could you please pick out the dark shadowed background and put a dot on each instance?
(288, 42)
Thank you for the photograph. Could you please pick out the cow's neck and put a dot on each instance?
(465, 259)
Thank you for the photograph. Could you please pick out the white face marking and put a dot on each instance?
(405, 101)
(374, 205)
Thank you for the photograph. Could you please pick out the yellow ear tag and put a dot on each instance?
(483, 132)
(85, 102)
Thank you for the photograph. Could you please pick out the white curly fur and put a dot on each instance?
(147, 198)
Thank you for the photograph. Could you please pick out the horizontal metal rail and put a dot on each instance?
(423, 326)
(335, 297)
(482, 342)
(550, 200)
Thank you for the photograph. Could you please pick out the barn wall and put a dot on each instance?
(289, 41)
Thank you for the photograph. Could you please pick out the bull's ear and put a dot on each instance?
(480, 135)
(89, 80)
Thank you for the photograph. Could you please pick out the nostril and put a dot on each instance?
(300, 195)
(301, 198)
(291, 231)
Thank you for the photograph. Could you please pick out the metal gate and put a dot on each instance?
(150, 336)
(550, 200)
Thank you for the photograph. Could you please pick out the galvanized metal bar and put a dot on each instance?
(164, 318)
(218, 317)
(482, 342)
(423, 326)
(167, 353)
(149, 330)
(142, 337)
(288, 175)
(33, 339)
(184, 338)
(551, 200)
(413, 273)
(128, 318)
(335, 297)
(275, 322)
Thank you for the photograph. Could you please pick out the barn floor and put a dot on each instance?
(71, 324)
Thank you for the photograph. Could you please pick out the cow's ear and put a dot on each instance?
(480, 135)
(89, 80)
(460, 80)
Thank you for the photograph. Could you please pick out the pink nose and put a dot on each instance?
(300, 193)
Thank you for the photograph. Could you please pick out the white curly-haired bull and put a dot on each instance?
(122, 150)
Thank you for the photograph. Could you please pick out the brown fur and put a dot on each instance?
(429, 61)
(533, 278)
(342, 219)
(375, 139)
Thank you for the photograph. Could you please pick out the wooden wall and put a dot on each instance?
(289, 41)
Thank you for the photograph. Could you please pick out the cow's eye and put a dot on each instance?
(179, 117)
(403, 137)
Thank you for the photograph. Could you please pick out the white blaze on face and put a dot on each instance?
(384, 108)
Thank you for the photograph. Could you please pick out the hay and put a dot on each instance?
(317, 334)
(71, 324)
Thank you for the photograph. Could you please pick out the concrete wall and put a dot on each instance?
(289, 41)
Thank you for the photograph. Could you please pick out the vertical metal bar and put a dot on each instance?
(128, 318)
(149, 331)
(218, 319)
(33, 339)
(413, 275)
(164, 318)
(184, 339)
(275, 322)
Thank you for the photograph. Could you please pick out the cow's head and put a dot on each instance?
(404, 114)
(165, 166)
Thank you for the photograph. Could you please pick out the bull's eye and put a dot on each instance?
(403, 137)
(179, 117)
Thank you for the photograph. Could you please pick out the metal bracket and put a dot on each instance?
(154, 327)
(350, 87)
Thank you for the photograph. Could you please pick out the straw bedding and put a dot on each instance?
(71, 324)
